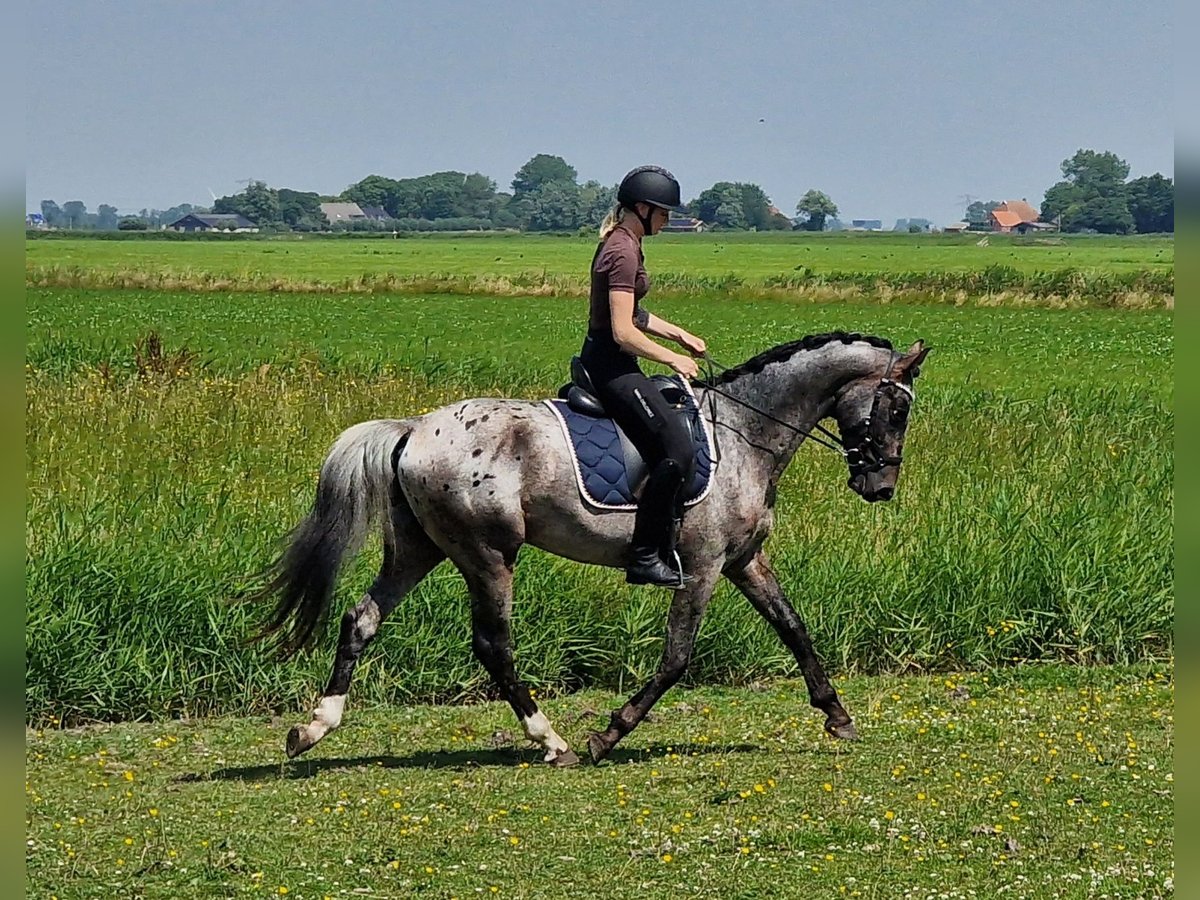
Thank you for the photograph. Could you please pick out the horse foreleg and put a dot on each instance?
(683, 621)
(761, 587)
(359, 626)
(491, 612)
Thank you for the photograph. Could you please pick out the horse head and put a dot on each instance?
(872, 416)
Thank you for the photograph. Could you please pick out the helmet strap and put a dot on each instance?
(645, 220)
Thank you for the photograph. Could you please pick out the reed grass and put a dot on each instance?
(996, 285)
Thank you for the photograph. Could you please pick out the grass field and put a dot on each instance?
(1001, 631)
(1045, 782)
(1033, 519)
(1069, 270)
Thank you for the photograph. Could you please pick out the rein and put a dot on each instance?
(860, 459)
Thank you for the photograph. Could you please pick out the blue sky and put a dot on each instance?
(894, 110)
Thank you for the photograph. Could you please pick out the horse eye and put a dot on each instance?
(900, 414)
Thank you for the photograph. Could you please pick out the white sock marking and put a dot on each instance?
(538, 729)
(329, 712)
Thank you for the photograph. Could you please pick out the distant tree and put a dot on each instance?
(1102, 174)
(74, 213)
(503, 212)
(815, 207)
(257, 202)
(441, 194)
(979, 214)
(406, 199)
(130, 223)
(730, 215)
(721, 205)
(301, 209)
(1107, 215)
(374, 190)
(1061, 205)
(542, 170)
(475, 196)
(554, 206)
(595, 202)
(1152, 203)
(1092, 194)
(756, 206)
(51, 214)
(106, 217)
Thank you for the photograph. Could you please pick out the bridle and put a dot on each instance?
(863, 457)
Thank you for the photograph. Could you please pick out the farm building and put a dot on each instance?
(866, 225)
(684, 224)
(213, 222)
(343, 212)
(1017, 217)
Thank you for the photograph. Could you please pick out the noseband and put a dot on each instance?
(864, 457)
(867, 456)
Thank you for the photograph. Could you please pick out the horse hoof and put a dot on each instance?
(598, 747)
(564, 760)
(297, 741)
(844, 731)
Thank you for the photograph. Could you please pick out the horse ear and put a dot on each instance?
(910, 363)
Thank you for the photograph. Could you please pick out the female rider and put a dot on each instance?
(616, 338)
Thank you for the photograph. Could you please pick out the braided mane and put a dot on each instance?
(756, 364)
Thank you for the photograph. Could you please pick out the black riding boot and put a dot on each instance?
(653, 531)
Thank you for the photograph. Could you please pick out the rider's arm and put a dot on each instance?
(671, 332)
(629, 338)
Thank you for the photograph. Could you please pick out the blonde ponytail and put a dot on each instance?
(615, 215)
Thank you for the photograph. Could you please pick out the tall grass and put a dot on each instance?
(1024, 529)
(995, 284)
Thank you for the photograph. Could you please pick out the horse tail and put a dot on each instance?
(354, 490)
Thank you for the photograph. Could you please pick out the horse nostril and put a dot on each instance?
(885, 493)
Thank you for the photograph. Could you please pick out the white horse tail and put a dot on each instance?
(354, 490)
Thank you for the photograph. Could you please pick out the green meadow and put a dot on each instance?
(1046, 271)
(1036, 783)
(1033, 520)
(1001, 631)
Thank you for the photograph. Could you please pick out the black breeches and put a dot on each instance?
(637, 405)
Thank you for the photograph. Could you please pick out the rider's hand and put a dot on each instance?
(692, 344)
(685, 366)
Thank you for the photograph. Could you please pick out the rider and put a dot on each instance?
(617, 336)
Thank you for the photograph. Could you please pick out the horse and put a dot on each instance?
(475, 480)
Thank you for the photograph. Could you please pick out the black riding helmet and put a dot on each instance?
(649, 184)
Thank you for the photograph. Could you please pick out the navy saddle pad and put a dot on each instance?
(607, 479)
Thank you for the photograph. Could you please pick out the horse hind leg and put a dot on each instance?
(406, 561)
(491, 611)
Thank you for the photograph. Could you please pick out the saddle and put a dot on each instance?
(611, 471)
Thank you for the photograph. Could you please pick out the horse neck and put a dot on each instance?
(800, 391)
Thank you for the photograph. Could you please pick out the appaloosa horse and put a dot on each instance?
(475, 480)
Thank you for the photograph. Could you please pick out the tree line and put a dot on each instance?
(546, 196)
